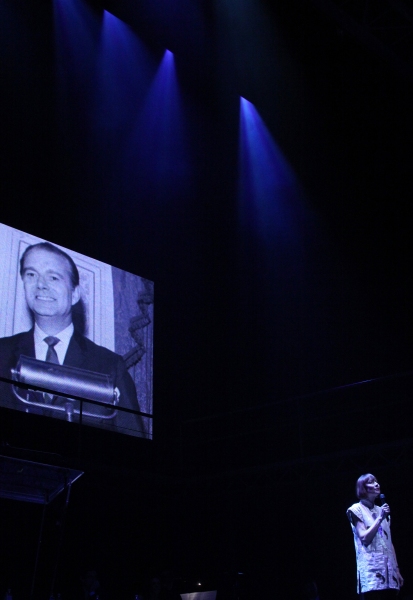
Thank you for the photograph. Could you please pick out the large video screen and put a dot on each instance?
(79, 328)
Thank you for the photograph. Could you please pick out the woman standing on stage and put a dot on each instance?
(378, 575)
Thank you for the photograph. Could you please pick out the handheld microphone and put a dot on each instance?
(383, 499)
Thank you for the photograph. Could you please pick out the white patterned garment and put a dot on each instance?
(376, 563)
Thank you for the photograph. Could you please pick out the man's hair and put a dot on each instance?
(74, 273)
(361, 485)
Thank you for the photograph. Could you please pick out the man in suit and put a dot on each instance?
(51, 286)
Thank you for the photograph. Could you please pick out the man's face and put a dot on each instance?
(48, 286)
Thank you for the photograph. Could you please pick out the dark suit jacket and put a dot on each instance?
(81, 353)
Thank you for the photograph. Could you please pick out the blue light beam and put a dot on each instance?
(268, 189)
(158, 151)
(122, 79)
(77, 31)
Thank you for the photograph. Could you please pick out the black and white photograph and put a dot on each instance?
(58, 330)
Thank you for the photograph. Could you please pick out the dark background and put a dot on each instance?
(259, 432)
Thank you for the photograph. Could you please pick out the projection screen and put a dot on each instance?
(78, 327)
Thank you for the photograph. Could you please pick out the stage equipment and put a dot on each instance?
(39, 483)
(71, 381)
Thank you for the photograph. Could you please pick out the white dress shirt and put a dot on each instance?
(41, 348)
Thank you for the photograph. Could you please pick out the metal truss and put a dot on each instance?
(316, 436)
(384, 26)
(396, 457)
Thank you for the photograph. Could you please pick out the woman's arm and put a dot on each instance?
(366, 534)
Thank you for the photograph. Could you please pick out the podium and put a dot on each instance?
(38, 483)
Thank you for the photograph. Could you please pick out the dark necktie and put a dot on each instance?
(51, 356)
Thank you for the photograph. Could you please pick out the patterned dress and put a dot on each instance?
(376, 563)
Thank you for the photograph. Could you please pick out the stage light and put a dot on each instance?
(122, 79)
(77, 29)
(267, 186)
(157, 154)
